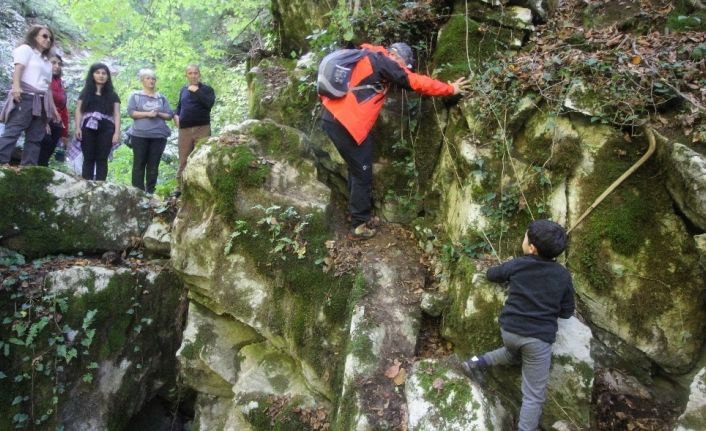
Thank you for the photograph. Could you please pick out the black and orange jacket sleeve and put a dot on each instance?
(358, 110)
(391, 71)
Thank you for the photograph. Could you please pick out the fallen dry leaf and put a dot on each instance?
(401, 377)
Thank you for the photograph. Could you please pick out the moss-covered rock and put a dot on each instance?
(55, 213)
(209, 354)
(551, 141)
(440, 399)
(112, 350)
(635, 265)
(383, 328)
(541, 9)
(463, 44)
(281, 90)
(571, 379)
(230, 365)
(297, 19)
(471, 320)
(265, 227)
(506, 16)
(157, 238)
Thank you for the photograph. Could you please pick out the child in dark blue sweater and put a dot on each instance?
(539, 291)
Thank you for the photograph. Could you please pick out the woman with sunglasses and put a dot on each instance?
(29, 105)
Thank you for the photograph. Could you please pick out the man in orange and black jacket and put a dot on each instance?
(349, 119)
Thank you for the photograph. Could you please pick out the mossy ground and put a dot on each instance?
(452, 397)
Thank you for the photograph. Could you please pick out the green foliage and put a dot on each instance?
(167, 36)
(37, 346)
(684, 18)
(382, 23)
(283, 228)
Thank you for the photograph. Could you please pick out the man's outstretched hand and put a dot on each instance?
(461, 86)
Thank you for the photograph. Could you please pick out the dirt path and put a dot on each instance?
(388, 315)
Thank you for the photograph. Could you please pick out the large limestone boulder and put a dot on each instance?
(383, 335)
(110, 346)
(59, 213)
(266, 317)
(230, 365)
(635, 281)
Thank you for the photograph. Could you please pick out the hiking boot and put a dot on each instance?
(362, 231)
(175, 194)
(473, 369)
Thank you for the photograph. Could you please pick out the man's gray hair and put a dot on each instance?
(144, 73)
(193, 66)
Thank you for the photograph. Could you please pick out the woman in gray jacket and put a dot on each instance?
(149, 132)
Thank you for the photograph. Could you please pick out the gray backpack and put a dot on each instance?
(335, 72)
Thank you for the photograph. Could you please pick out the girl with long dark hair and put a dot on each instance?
(97, 121)
(30, 104)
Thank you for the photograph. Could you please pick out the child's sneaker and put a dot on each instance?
(362, 231)
(474, 370)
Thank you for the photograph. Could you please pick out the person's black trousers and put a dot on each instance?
(96, 146)
(48, 144)
(147, 153)
(359, 159)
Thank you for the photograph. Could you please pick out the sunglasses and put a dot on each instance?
(46, 36)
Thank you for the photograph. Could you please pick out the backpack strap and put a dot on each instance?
(377, 87)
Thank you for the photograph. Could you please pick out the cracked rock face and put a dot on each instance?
(686, 182)
(133, 345)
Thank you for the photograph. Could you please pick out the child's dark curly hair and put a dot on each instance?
(548, 237)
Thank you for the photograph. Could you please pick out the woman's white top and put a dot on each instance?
(37, 71)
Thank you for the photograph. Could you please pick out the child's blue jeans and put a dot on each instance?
(536, 357)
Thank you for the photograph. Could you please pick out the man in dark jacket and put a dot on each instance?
(193, 114)
(349, 119)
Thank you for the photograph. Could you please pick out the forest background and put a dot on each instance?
(162, 35)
